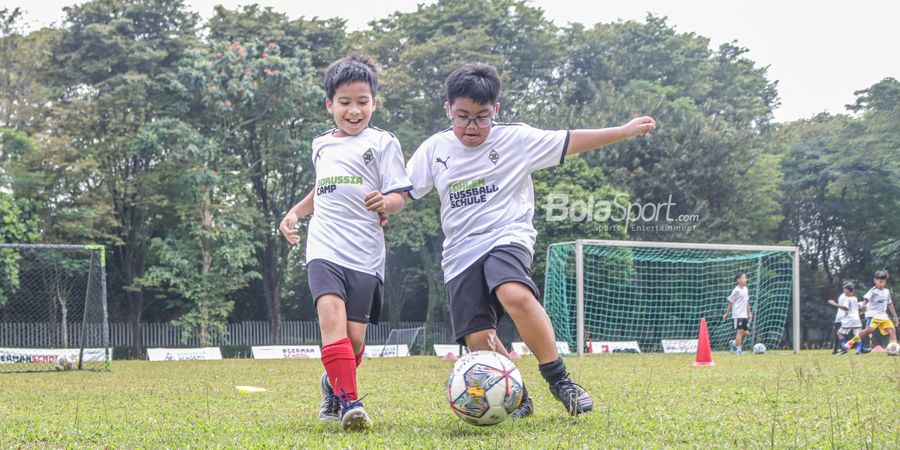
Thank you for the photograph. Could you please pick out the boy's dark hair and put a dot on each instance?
(849, 286)
(349, 69)
(739, 275)
(476, 81)
(881, 274)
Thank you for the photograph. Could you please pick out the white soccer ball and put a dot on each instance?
(64, 362)
(759, 348)
(893, 349)
(484, 388)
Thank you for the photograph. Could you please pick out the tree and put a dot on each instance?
(116, 63)
(23, 95)
(17, 222)
(208, 255)
(269, 108)
(711, 108)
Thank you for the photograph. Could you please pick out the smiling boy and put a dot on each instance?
(359, 175)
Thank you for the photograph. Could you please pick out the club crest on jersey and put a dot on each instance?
(442, 161)
(494, 156)
(369, 156)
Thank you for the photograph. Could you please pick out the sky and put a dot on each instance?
(819, 52)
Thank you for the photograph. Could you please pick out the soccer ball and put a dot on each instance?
(893, 349)
(759, 348)
(64, 362)
(484, 388)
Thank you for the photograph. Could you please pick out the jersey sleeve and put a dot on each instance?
(393, 170)
(868, 295)
(734, 295)
(419, 170)
(544, 148)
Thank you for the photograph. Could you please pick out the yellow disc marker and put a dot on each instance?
(249, 389)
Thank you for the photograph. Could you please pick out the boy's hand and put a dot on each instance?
(641, 126)
(725, 317)
(375, 202)
(382, 219)
(288, 228)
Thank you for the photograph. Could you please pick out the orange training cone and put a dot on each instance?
(514, 356)
(450, 356)
(704, 354)
(878, 349)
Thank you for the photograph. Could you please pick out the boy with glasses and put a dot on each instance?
(482, 172)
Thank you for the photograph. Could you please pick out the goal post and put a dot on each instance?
(53, 308)
(412, 338)
(643, 291)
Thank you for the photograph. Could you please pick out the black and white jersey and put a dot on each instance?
(348, 168)
(486, 193)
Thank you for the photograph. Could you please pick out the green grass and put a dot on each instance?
(778, 399)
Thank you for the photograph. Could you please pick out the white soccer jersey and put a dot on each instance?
(740, 300)
(879, 299)
(487, 198)
(851, 316)
(342, 230)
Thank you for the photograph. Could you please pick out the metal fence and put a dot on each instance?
(241, 333)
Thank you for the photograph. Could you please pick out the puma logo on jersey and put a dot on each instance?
(369, 156)
(442, 161)
(494, 156)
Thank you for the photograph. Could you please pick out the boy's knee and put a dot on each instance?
(329, 308)
(514, 295)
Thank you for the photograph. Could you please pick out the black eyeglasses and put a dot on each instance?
(464, 122)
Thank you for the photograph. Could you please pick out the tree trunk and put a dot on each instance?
(136, 311)
(206, 254)
(271, 280)
(436, 293)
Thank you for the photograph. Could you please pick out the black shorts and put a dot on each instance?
(474, 305)
(362, 293)
(742, 324)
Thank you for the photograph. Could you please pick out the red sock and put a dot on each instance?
(359, 356)
(340, 364)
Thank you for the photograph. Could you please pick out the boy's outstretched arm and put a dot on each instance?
(583, 140)
(302, 209)
(836, 305)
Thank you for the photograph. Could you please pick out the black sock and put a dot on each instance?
(553, 371)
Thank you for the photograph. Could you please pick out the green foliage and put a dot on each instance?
(841, 193)
(178, 143)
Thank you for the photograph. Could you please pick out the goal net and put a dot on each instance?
(404, 340)
(651, 291)
(53, 312)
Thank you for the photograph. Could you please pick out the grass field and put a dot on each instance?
(775, 400)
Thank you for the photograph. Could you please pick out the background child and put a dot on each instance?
(878, 302)
(850, 323)
(739, 305)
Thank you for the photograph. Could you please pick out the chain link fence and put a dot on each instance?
(54, 298)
